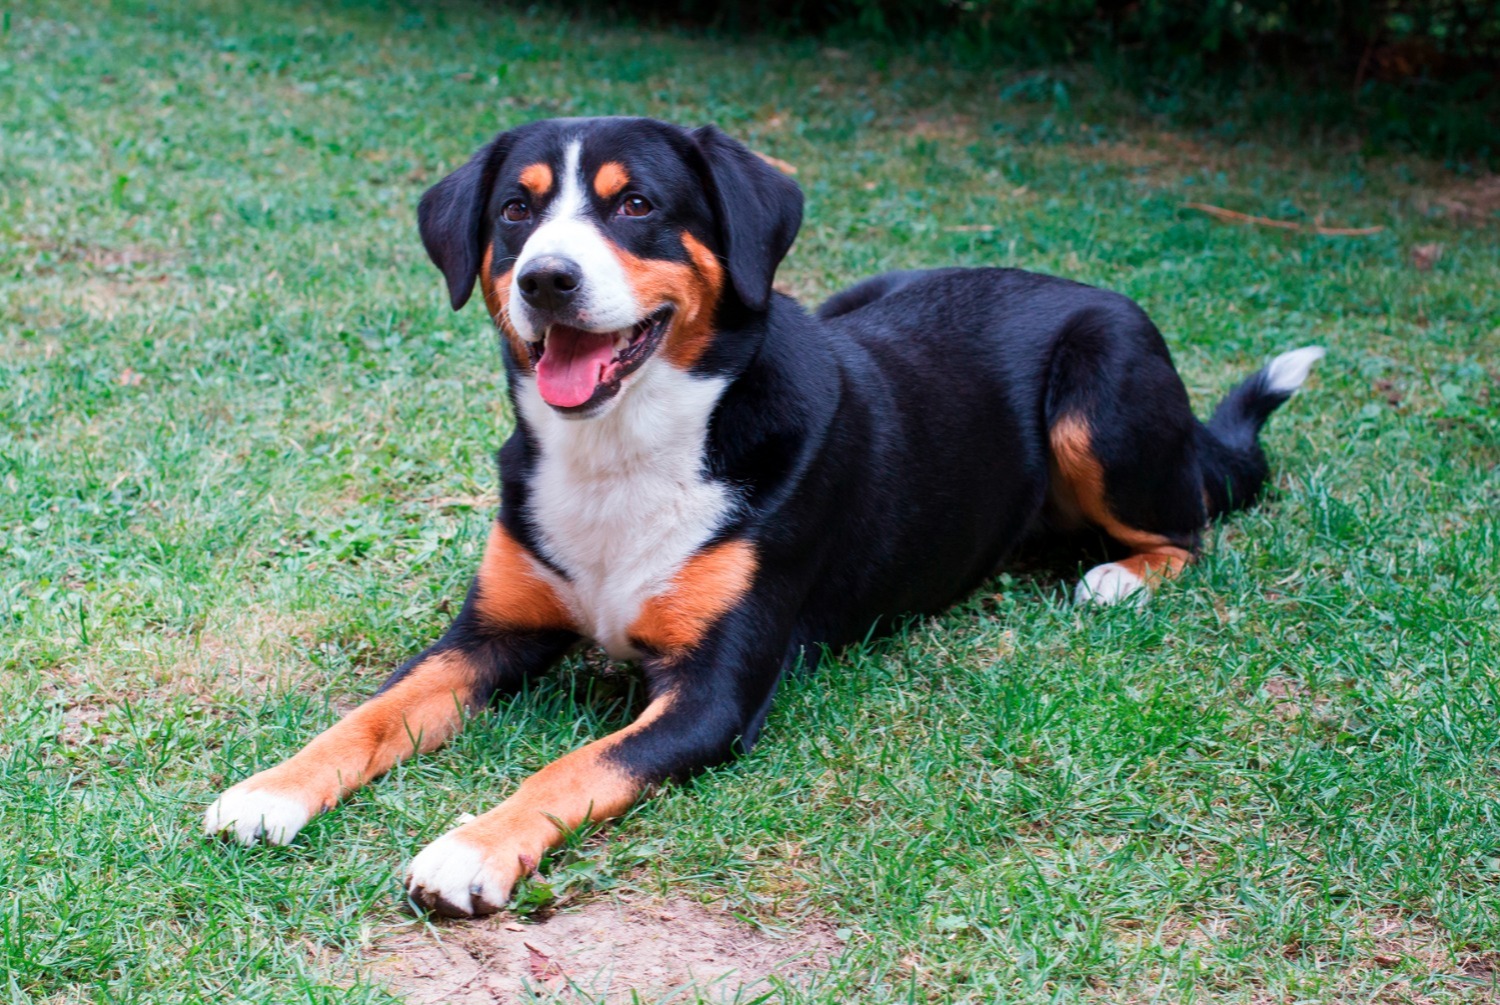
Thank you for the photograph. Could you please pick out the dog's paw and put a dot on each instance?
(1111, 583)
(255, 815)
(456, 878)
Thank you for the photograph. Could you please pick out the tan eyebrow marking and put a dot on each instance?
(537, 179)
(611, 179)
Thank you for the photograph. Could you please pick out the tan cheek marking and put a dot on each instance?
(576, 788)
(706, 261)
(496, 290)
(692, 288)
(536, 179)
(1073, 453)
(511, 593)
(417, 714)
(487, 281)
(689, 344)
(611, 180)
(704, 590)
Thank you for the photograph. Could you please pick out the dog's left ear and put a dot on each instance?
(451, 218)
(759, 211)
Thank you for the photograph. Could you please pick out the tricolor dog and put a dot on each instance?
(708, 479)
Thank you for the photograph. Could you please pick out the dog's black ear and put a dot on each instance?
(451, 218)
(759, 211)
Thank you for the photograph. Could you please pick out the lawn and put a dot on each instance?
(246, 465)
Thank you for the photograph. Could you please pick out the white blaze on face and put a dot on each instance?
(605, 299)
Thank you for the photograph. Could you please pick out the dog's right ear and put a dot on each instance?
(759, 211)
(451, 218)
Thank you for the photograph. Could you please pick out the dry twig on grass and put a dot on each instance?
(1234, 216)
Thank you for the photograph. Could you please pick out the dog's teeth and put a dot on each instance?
(622, 341)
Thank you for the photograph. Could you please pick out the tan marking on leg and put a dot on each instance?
(496, 290)
(704, 589)
(581, 787)
(512, 590)
(536, 179)
(1063, 510)
(417, 714)
(692, 287)
(1073, 455)
(1153, 566)
(611, 179)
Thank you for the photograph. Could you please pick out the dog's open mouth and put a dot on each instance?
(576, 369)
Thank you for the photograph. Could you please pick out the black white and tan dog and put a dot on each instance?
(708, 479)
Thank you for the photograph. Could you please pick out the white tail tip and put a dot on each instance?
(1287, 372)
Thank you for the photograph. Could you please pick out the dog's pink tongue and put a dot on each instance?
(572, 364)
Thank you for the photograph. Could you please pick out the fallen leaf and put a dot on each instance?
(542, 966)
(777, 163)
(129, 378)
(1425, 256)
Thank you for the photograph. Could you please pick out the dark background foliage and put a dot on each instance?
(1404, 74)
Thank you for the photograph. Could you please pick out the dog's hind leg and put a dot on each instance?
(511, 626)
(1124, 456)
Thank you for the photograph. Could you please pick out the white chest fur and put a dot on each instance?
(621, 502)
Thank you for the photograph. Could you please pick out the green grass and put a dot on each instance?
(245, 466)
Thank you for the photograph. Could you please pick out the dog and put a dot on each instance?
(708, 479)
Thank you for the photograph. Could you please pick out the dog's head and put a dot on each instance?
(603, 246)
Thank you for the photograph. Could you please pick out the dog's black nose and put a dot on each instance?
(548, 283)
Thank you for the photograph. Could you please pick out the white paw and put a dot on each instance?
(1111, 583)
(255, 815)
(449, 877)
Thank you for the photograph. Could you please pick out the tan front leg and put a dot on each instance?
(473, 868)
(512, 625)
(418, 713)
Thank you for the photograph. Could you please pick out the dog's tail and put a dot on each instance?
(1234, 466)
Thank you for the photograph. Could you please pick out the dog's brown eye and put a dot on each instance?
(634, 205)
(515, 211)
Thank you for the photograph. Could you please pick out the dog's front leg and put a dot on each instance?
(708, 698)
(511, 627)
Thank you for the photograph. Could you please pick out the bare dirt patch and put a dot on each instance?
(121, 259)
(238, 652)
(675, 951)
